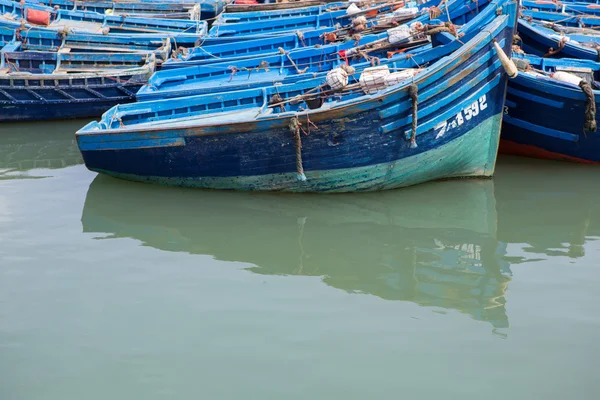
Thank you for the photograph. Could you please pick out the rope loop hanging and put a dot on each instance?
(295, 127)
(590, 124)
(413, 92)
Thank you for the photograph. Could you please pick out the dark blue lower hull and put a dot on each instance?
(543, 120)
(37, 105)
(48, 111)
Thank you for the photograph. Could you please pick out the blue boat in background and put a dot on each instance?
(30, 15)
(565, 19)
(185, 9)
(567, 7)
(437, 122)
(309, 62)
(550, 118)
(543, 42)
(38, 86)
(237, 17)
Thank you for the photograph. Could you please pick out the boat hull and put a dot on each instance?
(41, 111)
(360, 158)
(546, 120)
(22, 101)
(361, 143)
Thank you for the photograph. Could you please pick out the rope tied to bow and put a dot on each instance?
(413, 92)
(287, 54)
(590, 108)
(552, 51)
(295, 127)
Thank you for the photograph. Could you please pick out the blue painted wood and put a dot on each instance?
(275, 26)
(537, 41)
(115, 24)
(44, 86)
(564, 7)
(241, 24)
(270, 46)
(208, 8)
(303, 63)
(51, 62)
(568, 19)
(535, 125)
(253, 16)
(45, 39)
(235, 141)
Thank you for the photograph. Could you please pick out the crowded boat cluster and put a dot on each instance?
(306, 95)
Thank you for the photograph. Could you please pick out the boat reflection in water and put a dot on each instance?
(550, 208)
(27, 146)
(433, 245)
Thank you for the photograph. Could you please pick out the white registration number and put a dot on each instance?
(466, 114)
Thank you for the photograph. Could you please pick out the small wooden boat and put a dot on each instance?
(92, 22)
(439, 122)
(563, 7)
(569, 19)
(280, 25)
(185, 9)
(42, 86)
(237, 17)
(45, 39)
(276, 22)
(13, 37)
(546, 117)
(246, 6)
(272, 45)
(543, 42)
(287, 67)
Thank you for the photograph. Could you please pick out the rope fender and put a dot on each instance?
(295, 129)
(590, 108)
(413, 92)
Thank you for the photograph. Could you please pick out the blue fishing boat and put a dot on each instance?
(185, 9)
(563, 7)
(287, 67)
(543, 42)
(37, 62)
(281, 25)
(46, 39)
(277, 22)
(247, 6)
(551, 110)
(438, 122)
(82, 21)
(568, 19)
(272, 45)
(237, 17)
(42, 86)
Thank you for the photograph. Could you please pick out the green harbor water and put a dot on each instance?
(469, 289)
